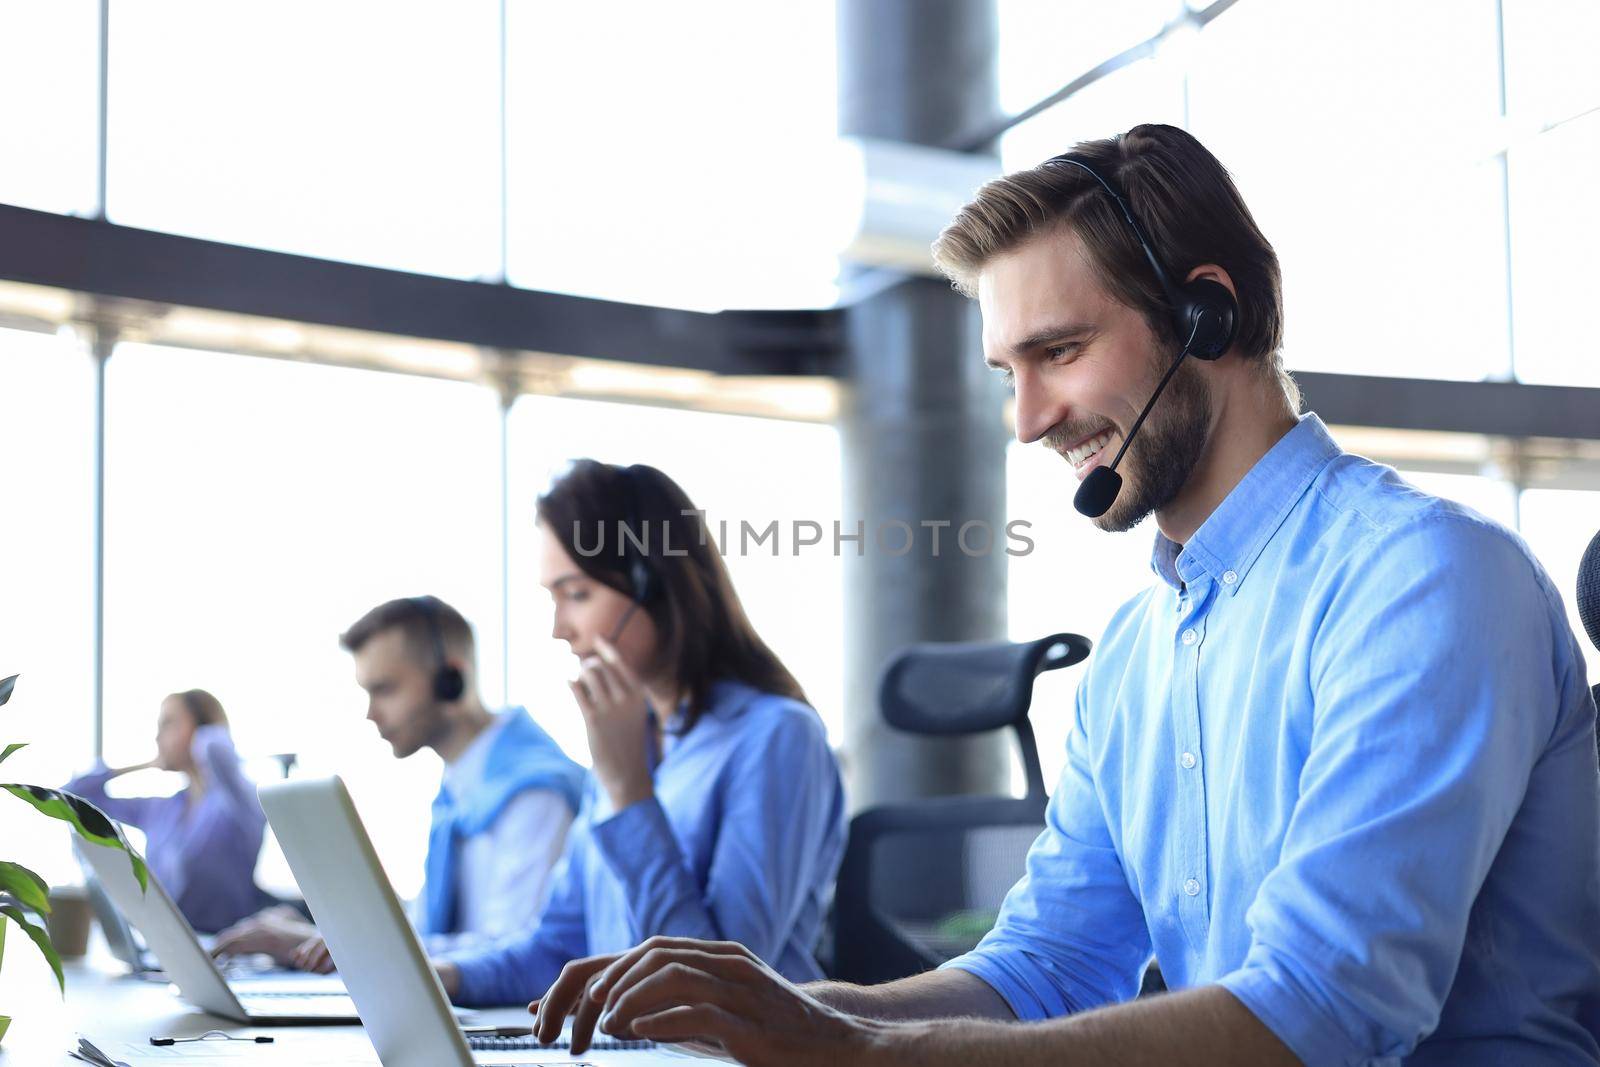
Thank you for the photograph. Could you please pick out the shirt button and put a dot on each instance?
(1190, 637)
(1192, 887)
(1229, 577)
(1188, 761)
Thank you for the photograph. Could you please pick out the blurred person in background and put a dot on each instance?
(715, 807)
(507, 796)
(203, 841)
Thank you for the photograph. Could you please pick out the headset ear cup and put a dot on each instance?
(1210, 313)
(639, 578)
(449, 684)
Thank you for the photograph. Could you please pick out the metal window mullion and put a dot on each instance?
(102, 344)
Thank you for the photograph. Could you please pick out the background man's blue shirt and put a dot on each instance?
(1340, 760)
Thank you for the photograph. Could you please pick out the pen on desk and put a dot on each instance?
(209, 1035)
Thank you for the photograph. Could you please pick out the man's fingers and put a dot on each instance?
(730, 967)
(676, 984)
(561, 998)
(693, 1022)
(584, 1019)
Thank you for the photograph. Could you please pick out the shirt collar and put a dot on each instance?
(725, 699)
(1232, 537)
(466, 770)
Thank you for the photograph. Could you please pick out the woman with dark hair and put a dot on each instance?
(715, 808)
(201, 842)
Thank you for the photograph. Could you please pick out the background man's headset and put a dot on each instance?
(448, 681)
(1203, 312)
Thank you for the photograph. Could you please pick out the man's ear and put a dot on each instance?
(1212, 272)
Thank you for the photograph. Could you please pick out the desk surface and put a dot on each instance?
(120, 1014)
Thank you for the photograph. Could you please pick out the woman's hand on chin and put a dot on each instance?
(616, 713)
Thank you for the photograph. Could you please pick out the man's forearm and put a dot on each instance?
(933, 995)
(1199, 1026)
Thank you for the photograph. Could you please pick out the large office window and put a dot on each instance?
(254, 509)
(361, 130)
(736, 469)
(1558, 524)
(1555, 226)
(670, 153)
(1149, 90)
(1358, 136)
(46, 441)
(48, 124)
(1044, 44)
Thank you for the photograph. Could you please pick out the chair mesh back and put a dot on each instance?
(961, 687)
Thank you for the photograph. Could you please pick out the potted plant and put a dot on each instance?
(24, 896)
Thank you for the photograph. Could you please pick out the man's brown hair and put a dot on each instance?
(416, 617)
(1181, 195)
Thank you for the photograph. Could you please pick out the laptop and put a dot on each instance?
(394, 987)
(281, 1000)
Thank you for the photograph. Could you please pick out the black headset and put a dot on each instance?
(1203, 311)
(641, 577)
(448, 681)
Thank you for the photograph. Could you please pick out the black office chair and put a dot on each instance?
(922, 881)
(1589, 603)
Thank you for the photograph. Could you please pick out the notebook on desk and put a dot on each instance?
(283, 999)
(395, 989)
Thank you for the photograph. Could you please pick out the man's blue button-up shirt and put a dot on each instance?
(1341, 761)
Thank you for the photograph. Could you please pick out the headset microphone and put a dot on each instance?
(1202, 309)
(1101, 485)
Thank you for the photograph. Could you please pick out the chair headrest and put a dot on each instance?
(970, 687)
(1589, 590)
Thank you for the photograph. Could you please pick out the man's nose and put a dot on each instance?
(1038, 410)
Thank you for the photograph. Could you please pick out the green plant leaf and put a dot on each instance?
(90, 822)
(26, 886)
(39, 938)
(12, 748)
(5, 1024)
(6, 686)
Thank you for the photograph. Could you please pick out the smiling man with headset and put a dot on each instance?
(1335, 769)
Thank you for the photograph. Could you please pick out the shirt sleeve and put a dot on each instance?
(92, 787)
(1435, 691)
(782, 808)
(213, 751)
(521, 967)
(1071, 934)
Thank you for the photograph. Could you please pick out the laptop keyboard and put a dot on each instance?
(300, 1005)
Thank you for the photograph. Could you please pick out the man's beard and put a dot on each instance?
(1162, 456)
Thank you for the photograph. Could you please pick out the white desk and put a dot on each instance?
(120, 1014)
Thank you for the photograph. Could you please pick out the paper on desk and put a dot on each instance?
(322, 1053)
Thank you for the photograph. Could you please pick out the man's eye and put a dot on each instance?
(1061, 351)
